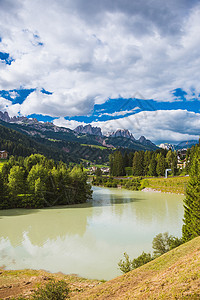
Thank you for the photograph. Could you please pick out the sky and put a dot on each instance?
(117, 64)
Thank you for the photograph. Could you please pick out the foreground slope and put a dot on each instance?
(174, 275)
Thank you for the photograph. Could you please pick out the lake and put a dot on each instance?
(88, 239)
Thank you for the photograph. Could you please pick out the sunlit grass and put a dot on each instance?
(168, 185)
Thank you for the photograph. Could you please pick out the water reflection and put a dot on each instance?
(88, 239)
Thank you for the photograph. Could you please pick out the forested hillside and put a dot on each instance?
(20, 144)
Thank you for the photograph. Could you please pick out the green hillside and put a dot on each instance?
(19, 144)
(174, 275)
(129, 143)
(22, 144)
(48, 131)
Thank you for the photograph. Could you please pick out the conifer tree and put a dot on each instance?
(171, 159)
(152, 166)
(138, 163)
(119, 164)
(125, 160)
(147, 160)
(160, 168)
(111, 163)
(191, 227)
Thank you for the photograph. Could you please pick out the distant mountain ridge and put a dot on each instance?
(186, 144)
(82, 134)
(122, 133)
(119, 133)
(178, 146)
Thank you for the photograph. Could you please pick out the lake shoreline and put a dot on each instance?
(151, 190)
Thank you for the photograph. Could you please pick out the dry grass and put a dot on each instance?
(174, 275)
(24, 282)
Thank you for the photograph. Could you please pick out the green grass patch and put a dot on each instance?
(175, 185)
(168, 259)
(94, 146)
(54, 140)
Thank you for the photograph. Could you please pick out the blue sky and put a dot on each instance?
(117, 64)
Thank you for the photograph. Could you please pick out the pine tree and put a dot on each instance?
(152, 167)
(111, 163)
(120, 171)
(125, 160)
(171, 159)
(130, 159)
(138, 163)
(160, 168)
(147, 160)
(191, 227)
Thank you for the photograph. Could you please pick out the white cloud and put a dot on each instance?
(72, 124)
(161, 125)
(60, 103)
(121, 113)
(170, 125)
(4, 104)
(86, 52)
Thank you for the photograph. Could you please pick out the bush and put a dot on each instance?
(162, 243)
(141, 260)
(52, 291)
(126, 264)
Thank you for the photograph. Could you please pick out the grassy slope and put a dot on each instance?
(174, 275)
(175, 185)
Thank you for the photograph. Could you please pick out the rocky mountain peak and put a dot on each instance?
(142, 139)
(122, 133)
(88, 129)
(4, 116)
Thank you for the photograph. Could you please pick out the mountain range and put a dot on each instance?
(82, 134)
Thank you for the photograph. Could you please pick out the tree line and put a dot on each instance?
(147, 163)
(36, 182)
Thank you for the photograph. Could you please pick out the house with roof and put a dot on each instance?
(3, 154)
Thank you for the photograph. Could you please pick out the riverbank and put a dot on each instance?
(173, 185)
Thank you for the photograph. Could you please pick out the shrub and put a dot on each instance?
(141, 260)
(162, 243)
(52, 291)
(126, 264)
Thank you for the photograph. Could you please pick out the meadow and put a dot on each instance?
(175, 185)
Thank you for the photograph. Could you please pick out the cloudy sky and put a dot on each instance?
(64, 58)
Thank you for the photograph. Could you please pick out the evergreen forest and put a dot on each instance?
(36, 182)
